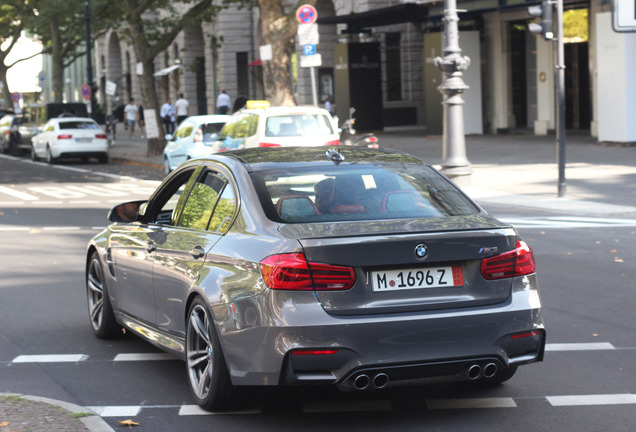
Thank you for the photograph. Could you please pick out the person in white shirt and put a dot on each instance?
(167, 111)
(131, 112)
(182, 108)
(223, 103)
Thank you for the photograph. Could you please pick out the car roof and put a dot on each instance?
(262, 159)
(65, 119)
(282, 110)
(211, 118)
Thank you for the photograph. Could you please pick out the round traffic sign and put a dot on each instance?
(86, 91)
(306, 14)
(15, 97)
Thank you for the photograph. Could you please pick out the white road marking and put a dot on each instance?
(50, 358)
(594, 346)
(116, 411)
(568, 222)
(471, 403)
(586, 400)
(17, 194)
(144, 357)
(188, 410)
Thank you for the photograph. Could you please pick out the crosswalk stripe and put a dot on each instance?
(568, 222)
(116, 411)
(50, 358)
(17, 194)
(594, 346)
(586, 400)
(188, 410)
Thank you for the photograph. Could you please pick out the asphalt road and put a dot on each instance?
(47, 214)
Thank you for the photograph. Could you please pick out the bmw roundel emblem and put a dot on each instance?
(421, 250)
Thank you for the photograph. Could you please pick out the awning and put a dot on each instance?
(166, 71)
(258, 62)
(401, 13)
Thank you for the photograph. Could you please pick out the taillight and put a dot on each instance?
(293, 272)
(332, 143)
(67, 136)
(101, 136)
(517, 262)
(315, 352)
(198, 136)
(264, 144)
(524, 335)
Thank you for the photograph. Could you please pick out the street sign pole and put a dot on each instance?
(314, 91)
(560, 75)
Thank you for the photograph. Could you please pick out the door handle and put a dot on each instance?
(197, 252)
(151, 246)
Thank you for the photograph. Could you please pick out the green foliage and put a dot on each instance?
(575, 25)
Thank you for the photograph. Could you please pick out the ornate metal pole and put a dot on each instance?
(452, 64)
(89, 56)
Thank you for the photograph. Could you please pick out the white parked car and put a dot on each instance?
(70, 137)
(194, 137)
(304, 126)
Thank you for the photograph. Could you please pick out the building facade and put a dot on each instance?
(387, 49)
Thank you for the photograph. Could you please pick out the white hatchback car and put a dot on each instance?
(304, 126)
(194, 137)
(70, 137)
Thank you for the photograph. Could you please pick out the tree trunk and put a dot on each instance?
(279, 31)
(57, 62)
(6, 92)
(149, 94)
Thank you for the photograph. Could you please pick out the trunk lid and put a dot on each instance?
(393, 278)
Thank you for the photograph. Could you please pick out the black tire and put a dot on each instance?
(34, 157)
(49, 156)
(166, 166)
(100, 310)
(103, 158)
(13, 148)
(206, 369)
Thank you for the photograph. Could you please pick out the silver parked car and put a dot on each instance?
(356, 268)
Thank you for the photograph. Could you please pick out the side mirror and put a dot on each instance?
(126, 212)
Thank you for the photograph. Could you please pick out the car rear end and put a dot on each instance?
(79, 137)
(400, 277)
(298, 126)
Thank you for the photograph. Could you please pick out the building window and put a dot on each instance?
(242, 75)
(393, 67)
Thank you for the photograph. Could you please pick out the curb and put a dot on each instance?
(91, 421)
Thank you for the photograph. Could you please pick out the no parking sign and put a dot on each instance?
(306, 14)
(86, 91)
(15, 97)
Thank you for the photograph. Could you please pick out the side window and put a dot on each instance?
(224, 211)
(253, 124)
(229, 129)
(201, 202)
(164, 209)
(50, 127)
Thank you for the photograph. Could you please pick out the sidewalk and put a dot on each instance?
(519, 171)
(37, 414)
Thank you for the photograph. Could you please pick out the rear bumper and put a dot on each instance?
(403, 346)
(73, 150)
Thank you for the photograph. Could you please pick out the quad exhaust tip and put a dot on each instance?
(475, 371)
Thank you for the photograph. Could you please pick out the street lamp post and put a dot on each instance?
(89, 55)
(452, 64)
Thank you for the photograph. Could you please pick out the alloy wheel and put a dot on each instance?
(200, 351)
(95, 284)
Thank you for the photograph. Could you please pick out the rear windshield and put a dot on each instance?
(78, 125)
(298, 125)
(210, 131)
(359, 192)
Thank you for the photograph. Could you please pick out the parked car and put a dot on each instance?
(357, 268)
(16, 133)
(194, 137)
(70, 137)
(278, 127)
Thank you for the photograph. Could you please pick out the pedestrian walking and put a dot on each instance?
(181, 106)
(166, 115)
(239, 102)
(142, 120)
(131, 112)
(223, 103)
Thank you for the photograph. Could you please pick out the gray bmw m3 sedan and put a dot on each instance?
(353, 267)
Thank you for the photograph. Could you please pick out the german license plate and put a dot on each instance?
(83, 140)
(433, 277)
